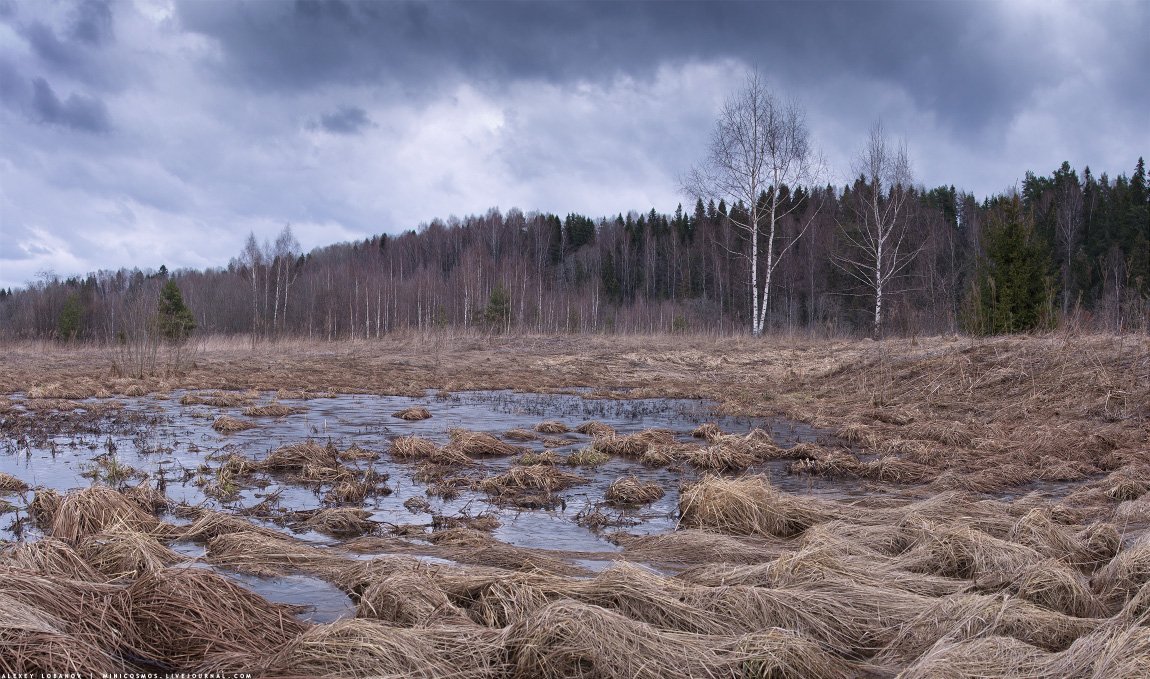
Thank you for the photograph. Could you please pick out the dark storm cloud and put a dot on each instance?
(74, 44)
(346, 120)
(92, 23)
(87, 114)
(13, 86)
(947, 55)
(43, 41)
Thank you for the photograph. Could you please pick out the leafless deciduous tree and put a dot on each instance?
(760, 144)
(1068, 225)
(878, 233)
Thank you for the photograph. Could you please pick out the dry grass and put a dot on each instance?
(226, 424)
(1117, 582)
(11, 484)
(527, 479)
(708, 431)
(182, 616)
(479, 444)
(633, 445)
(748, 506)
(596, 429)
(298, 458)
(720, 458)
(49, 556)
(406, 598)
(58, 611)
(408, 448)
(273, 410)
(74, 391)
(371, 648)
(121, 554)
(565, 639)
(208, 524)
(587, 457)
(219, 399)
(690, 546)
(91, 511)
(269, 554)
(340, 523)
(927, 580)
(629, 490)
(413, 414)
(531, 457)
(552, 427)
(519, 434)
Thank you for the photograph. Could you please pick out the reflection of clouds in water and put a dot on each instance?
(162, 437)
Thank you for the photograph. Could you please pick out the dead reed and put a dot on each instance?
(340, 523)
(552, 427)
(587, 457)
(633, 445)
(11, 484)
(596, 429)
(720, 458)
(748, 506)
(479, 444)
(372, 648)
(629, 490)
(530, 486)
(531, 457)
(275, 409)
(413, 414)
(268, 554)
(708, 431)
(407, 598)
(121, 554)
(519, 434)
(299, 458)
(49, 556)
(691, 546)
(565, 639)
(417, 448)
(92, 510)
(219, 399)
(182, 616)
(226, 424)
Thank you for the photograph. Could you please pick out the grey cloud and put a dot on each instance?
(87, 114)
(13, 86)
(947, 56)
(48, 47)
(92, 23)
(346, 120)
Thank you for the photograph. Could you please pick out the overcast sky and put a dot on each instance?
(159, 132)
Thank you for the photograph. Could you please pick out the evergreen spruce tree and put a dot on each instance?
(1012, 291)
(68, 324)
(174, 320)
(497, 315)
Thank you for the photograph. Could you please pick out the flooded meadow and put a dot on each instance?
(572, 532)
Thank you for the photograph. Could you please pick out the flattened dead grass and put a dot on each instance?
(630, 491)
(413, 414)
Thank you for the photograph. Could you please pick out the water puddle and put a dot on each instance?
(158, 440)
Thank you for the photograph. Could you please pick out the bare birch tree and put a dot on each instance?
(759, 145)
(880, 207)
(1068, 226)
(285, 253)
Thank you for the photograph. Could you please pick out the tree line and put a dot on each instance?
(1064, 247)
(766, 246)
